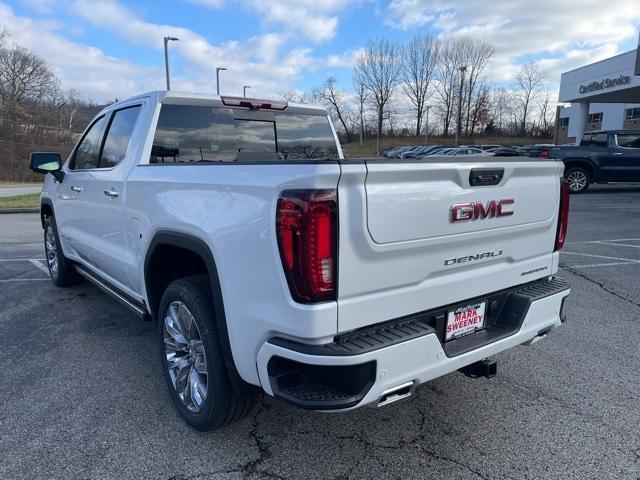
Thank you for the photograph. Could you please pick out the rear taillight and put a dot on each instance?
(306, 225)
(563, 215)
(543, 154)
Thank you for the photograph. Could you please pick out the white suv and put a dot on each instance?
(270, 262)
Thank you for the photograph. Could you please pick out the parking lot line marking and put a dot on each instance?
(621, 244)
(611, 240)
(630, 260)
(24, 280)
(39, 265)
(601, 265)
(15, 259)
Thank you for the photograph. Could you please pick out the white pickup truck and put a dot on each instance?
(270, 262)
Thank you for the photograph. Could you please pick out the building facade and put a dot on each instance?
(604, 96)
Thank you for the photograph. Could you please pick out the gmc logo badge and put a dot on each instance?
(461, 212)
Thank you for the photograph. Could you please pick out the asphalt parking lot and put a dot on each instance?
(82, 394)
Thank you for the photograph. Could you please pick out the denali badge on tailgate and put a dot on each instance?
(471, 258)
(461, 212)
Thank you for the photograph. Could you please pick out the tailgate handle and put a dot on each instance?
(485, 176)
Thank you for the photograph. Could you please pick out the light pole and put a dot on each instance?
(166, 58)
(459, 125)
(218, 70)
(426, 125)
(244, 90)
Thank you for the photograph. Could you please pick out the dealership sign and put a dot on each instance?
(605, 84)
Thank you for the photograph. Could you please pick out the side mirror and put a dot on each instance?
(45, 162)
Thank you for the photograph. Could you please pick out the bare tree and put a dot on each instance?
(451, 58)
(501, 106)
(23, 75)
(291, 96)
(546, 117)
(419, 62)
(479, 114)
(35, 113)
(476, 54)
(379, 68)
(362, 96)
(334, 98)
(528, 83)
(73, 103)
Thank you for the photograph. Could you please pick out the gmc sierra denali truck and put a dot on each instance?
(269, 262)
(601, 157)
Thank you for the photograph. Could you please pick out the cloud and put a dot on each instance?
(345, 60)
(262, 60)
(43, 7)
(79, 66)
(565, 35)
(257, 60)
(208, 3)
(316, 20)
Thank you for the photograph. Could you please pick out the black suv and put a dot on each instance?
(602, 157)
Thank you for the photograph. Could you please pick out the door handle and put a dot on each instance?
(617, 153)
(111, 193)
(76, 188)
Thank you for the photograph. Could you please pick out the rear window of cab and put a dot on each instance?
(197, 134)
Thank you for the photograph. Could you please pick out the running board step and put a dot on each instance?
(135, 307)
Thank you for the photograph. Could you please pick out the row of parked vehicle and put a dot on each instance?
(422, 151)
(611, 156)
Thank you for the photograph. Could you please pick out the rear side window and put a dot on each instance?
(88, 151)
(629, 140)
(194, 134)
(594, 140)
(187, 134)
(118, 136)
(304, 137)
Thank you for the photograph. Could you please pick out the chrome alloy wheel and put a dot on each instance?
(185, 356)
(577, 180)
(51, 250)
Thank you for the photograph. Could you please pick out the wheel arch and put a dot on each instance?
(582, 163)
(46, 210)
(167, 240)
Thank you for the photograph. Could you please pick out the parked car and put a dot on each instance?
(469, 151)
(400, 150)
(431, 150)
(436, 150)
(387, 151)
(488, 147)
(219, 219)
(601, 157)
(456, 152)
(417, 152)
(539, 151)
(506, 152)
(439, 151)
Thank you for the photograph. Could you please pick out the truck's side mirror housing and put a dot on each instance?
(47, 162)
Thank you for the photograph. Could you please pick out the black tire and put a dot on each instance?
(578, 178)
(221, 405)
(61, 269)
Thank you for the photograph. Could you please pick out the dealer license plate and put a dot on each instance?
(465, 320)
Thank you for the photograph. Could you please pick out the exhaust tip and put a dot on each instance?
(396, 393)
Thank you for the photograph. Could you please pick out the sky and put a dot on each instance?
(109, 48)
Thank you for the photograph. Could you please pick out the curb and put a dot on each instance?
(19, 210)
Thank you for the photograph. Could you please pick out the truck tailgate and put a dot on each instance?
(410, 252)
